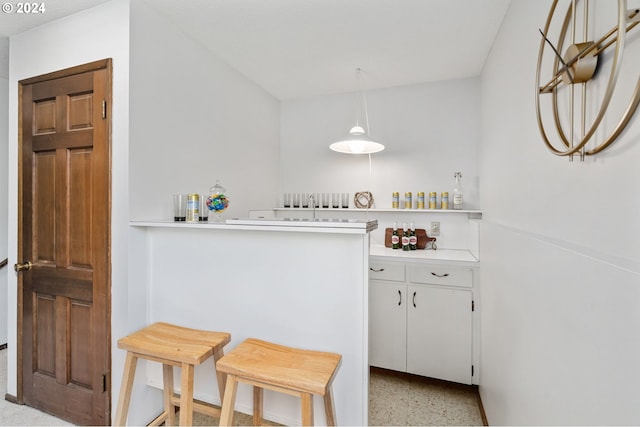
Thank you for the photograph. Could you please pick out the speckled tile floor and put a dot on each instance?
(394, 399)
(410, 400)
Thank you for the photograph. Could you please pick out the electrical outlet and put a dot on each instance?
(434, 229)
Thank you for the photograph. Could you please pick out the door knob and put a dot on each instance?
(25, 266)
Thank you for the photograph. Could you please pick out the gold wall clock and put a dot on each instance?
(578, 73)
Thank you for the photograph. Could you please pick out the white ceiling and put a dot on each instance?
(297, 48)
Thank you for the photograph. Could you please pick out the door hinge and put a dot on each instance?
(473, 305)
(104, 109)
(104, 383)
(471, 370)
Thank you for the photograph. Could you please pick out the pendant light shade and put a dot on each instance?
(358, 140)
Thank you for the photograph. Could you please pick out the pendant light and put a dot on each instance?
(358, 140)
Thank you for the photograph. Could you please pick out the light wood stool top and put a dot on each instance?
(173, 343)
(172, 346)
(276, 367)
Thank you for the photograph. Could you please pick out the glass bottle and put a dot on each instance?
(395, 237)
(457, 191)
(405, 237)
(413, 239)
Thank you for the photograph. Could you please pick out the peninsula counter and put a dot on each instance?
(302, 285)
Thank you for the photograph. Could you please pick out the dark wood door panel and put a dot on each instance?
(77, 285)
(77, 139)
(65, 233)
(63, 86)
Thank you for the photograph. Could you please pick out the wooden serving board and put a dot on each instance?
(421, 234)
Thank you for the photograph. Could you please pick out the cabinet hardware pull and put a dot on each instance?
(414, 299)
(399, 297)
(439, 275)
(377, 271)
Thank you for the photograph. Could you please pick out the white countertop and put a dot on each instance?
(343, 226)
(454, 256)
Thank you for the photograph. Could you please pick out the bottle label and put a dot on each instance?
(395, 240)
(413, 240)
(405, 240)
(457, 199)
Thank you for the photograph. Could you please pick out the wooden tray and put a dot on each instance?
(421, 234)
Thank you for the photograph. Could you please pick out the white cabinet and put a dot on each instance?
(387, 325)
(439, 338)
(421, 319)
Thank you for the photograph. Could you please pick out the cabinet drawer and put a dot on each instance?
(386, 271)
(441, 275)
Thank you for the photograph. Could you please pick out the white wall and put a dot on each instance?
(230, 134)
(429, 131)
(4, 164)
(194, 120)
(65, 43)
(560, 268)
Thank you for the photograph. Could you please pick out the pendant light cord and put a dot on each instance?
(366, 112)
(363, 101)
(370, 179)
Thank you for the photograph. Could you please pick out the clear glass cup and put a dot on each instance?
(286, 200)
(335, 200)
(325, 200)
(345, 200)
(204, 209)
(179, 207)
(296, 200)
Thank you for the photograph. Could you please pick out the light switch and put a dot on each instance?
(434, 229)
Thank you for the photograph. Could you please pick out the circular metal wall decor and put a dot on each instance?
(577, 89)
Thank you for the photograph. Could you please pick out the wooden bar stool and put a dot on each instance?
(288, 370)
(172, 346)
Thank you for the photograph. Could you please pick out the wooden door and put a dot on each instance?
(65, 233)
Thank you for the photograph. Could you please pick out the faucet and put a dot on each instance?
(312, 202)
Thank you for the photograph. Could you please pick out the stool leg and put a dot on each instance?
(229, 401)
(128, 375)
(169, 409)
(221, 376)
(257, 405)
(329, 408)
(186, 395)
(307, 408)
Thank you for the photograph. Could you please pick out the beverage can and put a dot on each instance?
(421, 200)
(445, 200)
(408, 202)
(193, 207)
(433, 200)
(395, 200)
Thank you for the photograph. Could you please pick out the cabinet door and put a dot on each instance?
(387, 325)
(439, 333)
